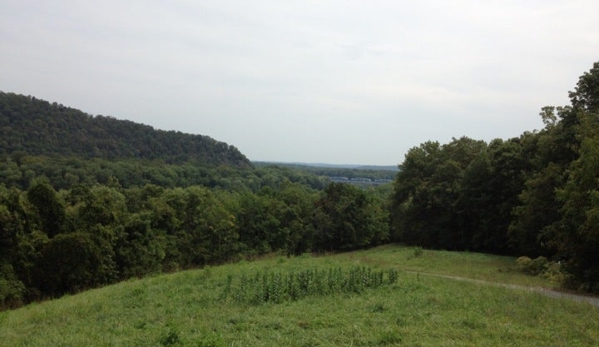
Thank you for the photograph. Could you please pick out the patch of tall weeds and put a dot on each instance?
(278, 287)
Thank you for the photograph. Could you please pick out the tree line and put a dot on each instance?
(371, 172)
(534, 195)
(63, 172)
(56, 242)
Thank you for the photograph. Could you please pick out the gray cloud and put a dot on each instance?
(318, 81)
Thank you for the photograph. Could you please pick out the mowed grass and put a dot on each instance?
(188, 309)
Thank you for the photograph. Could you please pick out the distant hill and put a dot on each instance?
(380, 174)
(393, 168)
(39, 127)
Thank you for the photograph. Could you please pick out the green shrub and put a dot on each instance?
(11, 289)
(554, 273)
(540, 266)
(524, 264)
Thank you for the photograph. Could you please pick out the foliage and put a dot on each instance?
(535, 195)
(58, 242)
(532, 267)
(347, 218)
(41, 128)
(373, 173)
(427, 209)
(541, 266)
(12, 291)
(574, 235)
(50, 210)
(72, 262)
(66, 172)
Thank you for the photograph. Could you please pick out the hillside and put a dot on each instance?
(39, 127)
(203, 308)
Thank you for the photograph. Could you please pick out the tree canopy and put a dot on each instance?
(37, 127)
(533, 195)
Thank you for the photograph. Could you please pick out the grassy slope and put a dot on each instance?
(183, 309)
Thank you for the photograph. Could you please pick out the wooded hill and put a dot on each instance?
(88, 201)
(39, 127)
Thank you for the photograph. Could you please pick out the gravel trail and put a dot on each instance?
(592, 300)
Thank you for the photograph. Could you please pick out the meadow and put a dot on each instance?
(387, 296)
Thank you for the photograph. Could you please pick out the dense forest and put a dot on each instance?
(55, 242)
(72, 219)
(124, 205)
(534, 195)
(19, 169)
(38, 127)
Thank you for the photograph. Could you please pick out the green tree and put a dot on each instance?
(577, 238)
(260, 229)
(11, 225)
(427, 190)
(199, 229)
(140, 250)
(410, 192)
(296, 217)
(50, 209)
(489, 192)
(73, 262)
(346, 218)
(576, 235)
(585, 97)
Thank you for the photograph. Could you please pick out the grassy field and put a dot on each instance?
(191, 309)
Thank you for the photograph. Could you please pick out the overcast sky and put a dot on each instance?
(354, 82)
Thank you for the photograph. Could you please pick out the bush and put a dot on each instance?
(531, 267)
(11, 289)
(540, 266)
(554, 273)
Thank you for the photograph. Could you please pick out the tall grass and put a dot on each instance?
(279, 286)
(200, 308)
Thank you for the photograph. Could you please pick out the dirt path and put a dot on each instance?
(545, 291)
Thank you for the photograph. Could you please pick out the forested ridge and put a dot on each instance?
(38, 127)
(69, 222)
